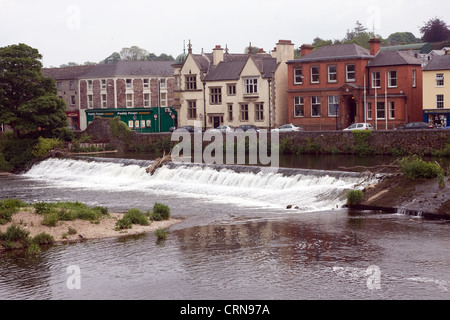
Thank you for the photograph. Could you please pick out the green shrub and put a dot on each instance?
(43, 207)
(15, 233)
(72, 231)
(135, 216)
(45, 145)
(162, 210)
(66, 215)
(123, 224)
(8, 208)
(33, 249)
(6, 215)
(43, 239)
(154, 216)
(354, 197)
(414, 168)
(161, 234)
(50, 219)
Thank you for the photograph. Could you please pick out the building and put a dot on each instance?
(234, 89)
(436, 91)
(326, 86)
(394, 91)
(141, 93)
(68, 89)
(338, 85)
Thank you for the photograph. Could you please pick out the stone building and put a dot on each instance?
(221, 88)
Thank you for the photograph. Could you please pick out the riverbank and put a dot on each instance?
(85, 230)
(421, 197)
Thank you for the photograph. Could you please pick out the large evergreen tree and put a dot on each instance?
(435, 30)
(28, 101)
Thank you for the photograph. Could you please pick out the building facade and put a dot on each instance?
(436, 91)
(141, 93)
(233, 89)
(338, 85)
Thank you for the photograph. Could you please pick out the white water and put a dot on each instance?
(308, 190)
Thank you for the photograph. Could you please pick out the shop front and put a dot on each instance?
(148, 120)
(440, 118)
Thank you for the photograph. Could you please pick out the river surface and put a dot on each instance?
(237, 240)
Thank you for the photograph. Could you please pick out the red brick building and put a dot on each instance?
(340, 76)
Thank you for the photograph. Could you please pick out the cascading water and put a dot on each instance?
(304, 190)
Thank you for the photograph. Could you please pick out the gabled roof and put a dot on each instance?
(66, 73)
(336, 52)
(438, 63)
(394, 58)
(421, 47)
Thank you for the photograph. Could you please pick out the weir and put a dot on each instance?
(304, 190)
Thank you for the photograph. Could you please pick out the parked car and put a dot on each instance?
(223, 129)
(416, 126)
(72, 128)
(190, 129)
(247, 127)
(359, 126)
(288, 128)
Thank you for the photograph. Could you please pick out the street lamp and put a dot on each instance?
(336, 108)
(204, 105)
(270, 106)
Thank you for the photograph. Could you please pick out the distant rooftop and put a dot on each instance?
(337, 52)
(438, 63)
(394, 58)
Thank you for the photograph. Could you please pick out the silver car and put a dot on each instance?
(359, 126)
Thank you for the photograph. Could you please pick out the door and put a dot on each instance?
(216, 121)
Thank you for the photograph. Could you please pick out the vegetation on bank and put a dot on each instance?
(17, 237)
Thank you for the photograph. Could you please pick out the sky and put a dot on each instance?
(80, 31)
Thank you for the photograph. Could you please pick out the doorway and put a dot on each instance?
(351, 113)
(216, 122)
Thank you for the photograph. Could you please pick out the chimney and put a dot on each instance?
(375, 46)
(217, 55)
(306, 49)
(284, 51)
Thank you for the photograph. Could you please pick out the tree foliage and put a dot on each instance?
(135, 53)
(401, 38)
(28, 101)
(435, 30)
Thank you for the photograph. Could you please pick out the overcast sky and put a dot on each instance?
(79, 31)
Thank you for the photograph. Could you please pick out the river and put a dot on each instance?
(237, 241)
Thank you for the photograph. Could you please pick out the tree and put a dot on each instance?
(400, 38)
(115, 57)
(435, 30)
(134, 54)
(28, 101)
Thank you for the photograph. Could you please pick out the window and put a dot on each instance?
(163, 99)
(381, 111)
(146, 83)
(439, 80)
(259, 112)
(90, 101)
(332, 74)
(192, 109)
(315, 77)
(369, 111)
(72, 85)
(440, 101)
(215, 95)
(104, 101)
(191, 83)
(129, 100)
(146, 100)
(230, 112)
(129, 84)
(72, 100)
(376, 79)
(351, 72)
(244, 112)
(89, 84)
(315, 106)
(298, 76)
(414, 77)
(332, 102)
(103, 84)
(299, 107)
(162, 83)
(251, 86)
(59, 86)
(231, 89)
(391, 110)
(392, 79)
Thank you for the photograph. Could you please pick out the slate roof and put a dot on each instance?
(394, 58)
(231, 66)
(131, 68)
(336, 52)
(438, 63)
(66, 73)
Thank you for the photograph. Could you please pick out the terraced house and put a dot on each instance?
(233, 89)
(436, 97)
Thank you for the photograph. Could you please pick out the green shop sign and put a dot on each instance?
(148, 120)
